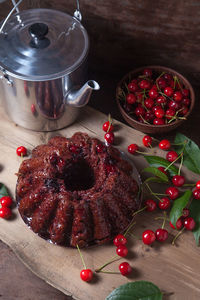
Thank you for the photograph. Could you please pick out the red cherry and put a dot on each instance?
(6, 201)
(109, 137)
(133, 87)
(107, 127)
(158, 121)
(149, 116)
(144, 84)
(151, 205)
(168, 91)
(164, 203)
(100, 148)
(154, 87)
(186, 212)
(177, 96)
(153, 93)
(185, 92)
(119, 240)
(139, 111)
(170, 113)
(198, 184)
(159, 113)
(162, 83)
(162, 169)
(179, 224)
(155, 108)
(164, 144)
(168, 77)
(172, 192)
(147, 72)
(161, 100)
(161, 234)
(183, 110)
(171, 156)
(147, 141)
(186, 101)
(86, 275)
(173, 105)
(122, 250)
(196, 194)
(148, 237)
(178, 180)
(5, 212)
(125, 269)
(133, 148)
(131, 98)
(149, 103)
(21, 151)
(189, 223)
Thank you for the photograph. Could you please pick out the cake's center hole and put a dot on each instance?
(79, 176)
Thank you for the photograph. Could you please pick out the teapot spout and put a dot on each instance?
(80, 97)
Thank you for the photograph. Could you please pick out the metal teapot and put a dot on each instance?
(43, 68)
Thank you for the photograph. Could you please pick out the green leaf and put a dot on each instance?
(154, 179)
(3, 190)
(157, 161)
(138, 290)
(191, 157)
(178, 205)
(157, 173)
(195, 214)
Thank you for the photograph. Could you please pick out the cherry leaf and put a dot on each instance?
(157, 173)
(178, 205)
(3, 190)
(138, 290)
(195, 214)
(157, 161)
(191, 157)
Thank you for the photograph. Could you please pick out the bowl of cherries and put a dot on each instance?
(155, 99)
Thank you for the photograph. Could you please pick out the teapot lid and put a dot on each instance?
(42, 44)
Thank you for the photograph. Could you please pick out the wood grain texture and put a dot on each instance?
(126, 34)
(59, 266)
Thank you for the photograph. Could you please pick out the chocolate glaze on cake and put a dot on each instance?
(76, 191)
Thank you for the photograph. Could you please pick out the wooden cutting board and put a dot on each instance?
(175, 269)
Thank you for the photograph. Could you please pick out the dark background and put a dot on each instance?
(124, 35)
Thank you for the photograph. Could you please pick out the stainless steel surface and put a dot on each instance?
(67, 48)
(80, 97)
(8, 16)
(43, 63)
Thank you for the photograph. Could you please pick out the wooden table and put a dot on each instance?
(17, 282)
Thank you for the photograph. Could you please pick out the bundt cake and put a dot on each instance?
(76, 191)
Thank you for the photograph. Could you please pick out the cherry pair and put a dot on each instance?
(5, 204)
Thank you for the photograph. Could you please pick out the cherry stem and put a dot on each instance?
(173, 162)
(180, 166)
(189, 184)
(164, 220)
(110, 122)
(161, 218)
(114, 258)
(152, 192)
(133, 235)
(138, 211)
(129, 228)
(81, 256)
(175, 238)
(109, 272)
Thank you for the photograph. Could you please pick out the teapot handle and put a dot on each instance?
(10, 13)
(77, 13)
